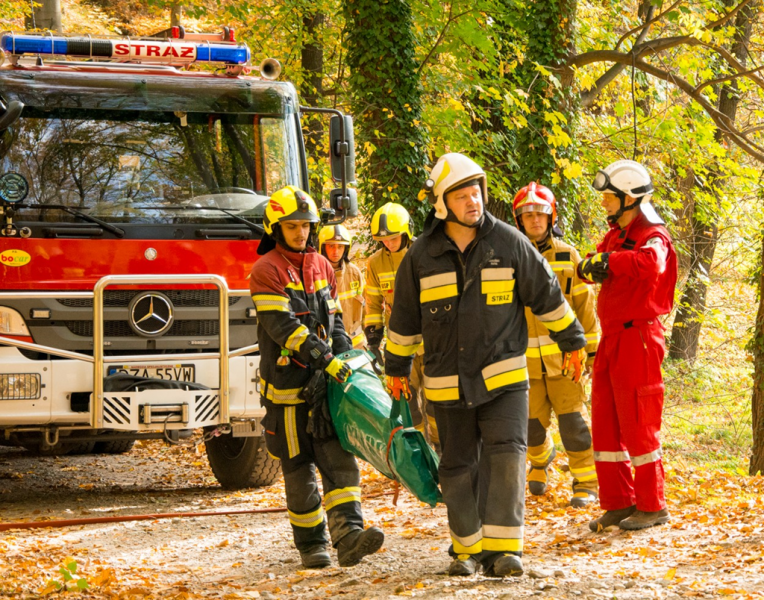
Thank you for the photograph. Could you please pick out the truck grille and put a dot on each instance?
(180, 298)
(114, 329)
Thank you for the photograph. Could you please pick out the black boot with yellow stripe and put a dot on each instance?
(538, 478)
(582, 497)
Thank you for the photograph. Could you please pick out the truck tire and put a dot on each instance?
(241, 462)
(114, 446)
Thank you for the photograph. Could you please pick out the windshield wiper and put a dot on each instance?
(80, 215)
(253, 226)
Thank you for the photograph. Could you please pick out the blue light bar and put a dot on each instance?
(157, 51)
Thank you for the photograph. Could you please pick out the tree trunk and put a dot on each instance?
(704, 230)
(176, 15)
(757, 400)
(46, 15)
(312, 90)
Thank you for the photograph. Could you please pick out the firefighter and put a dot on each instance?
(300, 329)
(461, 291)
(334, 244)
(535, 210)
(391, 226)
(636, 265)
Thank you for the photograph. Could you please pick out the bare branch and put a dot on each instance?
(451, 19)
(645, 26)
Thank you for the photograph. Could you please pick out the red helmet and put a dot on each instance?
(534, 198)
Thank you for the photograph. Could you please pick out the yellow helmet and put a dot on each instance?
(391, 220)
(289, 204)
(336, 234)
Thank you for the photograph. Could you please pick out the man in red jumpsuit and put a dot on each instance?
(636, 265)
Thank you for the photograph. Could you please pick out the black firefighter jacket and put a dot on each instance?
(295, 295)
(468, 310)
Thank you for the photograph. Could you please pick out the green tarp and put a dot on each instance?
(377, 429)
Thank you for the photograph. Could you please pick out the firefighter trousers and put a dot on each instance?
(419, 406)
(485, 495)
(287, 439)
(566, 399)
(627, 406)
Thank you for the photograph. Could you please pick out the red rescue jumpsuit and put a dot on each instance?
(627, 384)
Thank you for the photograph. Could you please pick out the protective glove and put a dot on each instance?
(595, 269)
(338, 369)
(320, 424)
(398, 387)
(374, 336)
(573, 364)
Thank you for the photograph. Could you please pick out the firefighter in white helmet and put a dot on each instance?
(334, 243)
(391, 227)
(461, 291)
(535, 211)
(300, 329)
(636, 265)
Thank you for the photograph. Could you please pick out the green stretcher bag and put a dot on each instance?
(377, 429)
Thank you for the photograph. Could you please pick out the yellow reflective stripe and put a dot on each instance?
(584, 478)
(320, 284)
(497, 287)
(471, 544)
(373, 320)
(533, 353)
(404, 340)
(400, 350)
(497, 274)
(358, 340)
(500, 531)
(579, 289)
(439, 280)
(373, 291)
(311, 519)
(278, 396)
(501, 545)
(505, 372)
(561, 323)
(439, 293)
(290, 420)
(265, 302)
(295, 286)
(441, 389)
(348, 294)
(549, 349)
(299, 335)
(542, 458)
(438, 287)
(561, 264)
(611, 456)
(341, 496)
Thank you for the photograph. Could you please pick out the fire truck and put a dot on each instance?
(133, 179)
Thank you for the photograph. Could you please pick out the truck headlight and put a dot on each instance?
(12, 323)
(20, 386)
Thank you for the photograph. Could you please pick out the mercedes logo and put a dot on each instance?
(151, 314)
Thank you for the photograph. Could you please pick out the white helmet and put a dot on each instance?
(450, 171)
(625, 178)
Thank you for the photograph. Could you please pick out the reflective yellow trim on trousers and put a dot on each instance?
(501, 545)
(342, 496)
(290, 421)
(295, 340)
(441, 389)
(542, 458)
(561, 323)
(611, 456)
(472, 544)
(273, 302)
(584, 474)
(278, 396)
(505, 372)
(311, 519)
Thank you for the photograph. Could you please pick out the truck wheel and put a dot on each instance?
(59, 449)
(114, 446)
(241, 462)
(82, 448)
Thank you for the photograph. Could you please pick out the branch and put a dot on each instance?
(728, 16)
(646, 25)
(727, 78)
(450, 20)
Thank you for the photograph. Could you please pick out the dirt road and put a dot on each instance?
(709, 550)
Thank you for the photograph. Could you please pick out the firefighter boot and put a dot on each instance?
(357, 544)
(642, 520)
(315, 558)
(538, 477)
(582, 497)
(611, 517)
(505, 566)
(464, 565)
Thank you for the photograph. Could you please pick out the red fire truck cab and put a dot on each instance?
(132, 192)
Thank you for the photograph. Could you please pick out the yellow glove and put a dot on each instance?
(573, 364)
(398, 387)
(338, 369)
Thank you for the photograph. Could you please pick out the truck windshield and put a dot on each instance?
(150, 167)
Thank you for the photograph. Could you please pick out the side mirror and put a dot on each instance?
(344, 207)
(10, 114)
(342, 152)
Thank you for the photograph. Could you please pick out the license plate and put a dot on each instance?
(166, 372)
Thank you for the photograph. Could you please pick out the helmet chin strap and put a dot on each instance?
(613, 219)
(451, 218)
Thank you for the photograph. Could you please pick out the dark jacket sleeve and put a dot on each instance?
(404, 331)
(539, 289)
(279, 321)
